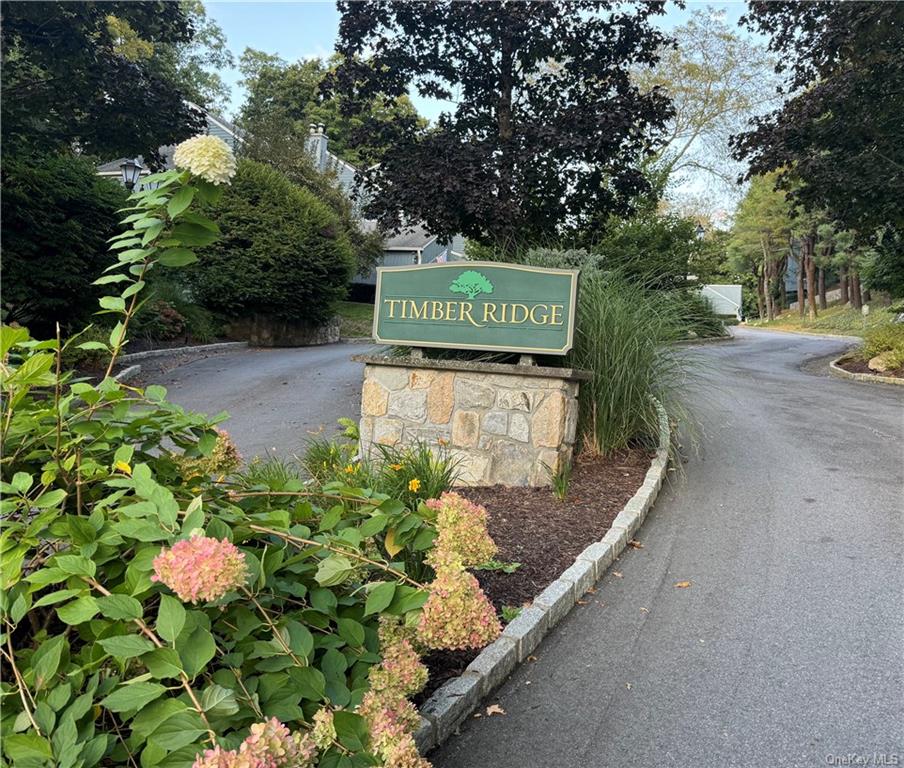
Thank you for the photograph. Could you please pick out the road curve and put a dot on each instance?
(276, 398)
(787, 649)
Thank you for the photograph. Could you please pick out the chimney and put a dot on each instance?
(316, 145)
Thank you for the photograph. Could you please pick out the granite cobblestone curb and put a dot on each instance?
(222, 346)
(127, 374)
(458, 698)
(870, 378)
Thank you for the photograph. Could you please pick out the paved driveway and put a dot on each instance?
(276, 398)
(788, 647)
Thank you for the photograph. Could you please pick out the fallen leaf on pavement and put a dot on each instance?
(617, 574)
(635, 543)
(645, 610)
(580, 602)
(628, 686)
(682, 584)
(495, 709)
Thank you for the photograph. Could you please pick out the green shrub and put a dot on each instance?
(693, 313)
(57, 214)
(169, 312)
(95, 357)
(885, 340)
(151, 611)
(282, 252)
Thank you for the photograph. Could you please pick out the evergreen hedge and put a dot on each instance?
(282, 252)
(57, 214)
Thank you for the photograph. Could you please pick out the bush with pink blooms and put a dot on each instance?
(158, 613)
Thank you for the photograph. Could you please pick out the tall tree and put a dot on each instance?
(840, 130)
(760, 239)
(717, 81)
(68, 82)
(548, 127)
(287, 97)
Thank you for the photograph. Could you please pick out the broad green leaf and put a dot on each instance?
(46, 660)
(26, 746)
(177, 257)
(120, 607)
(177, 731)
(78, 611)
(351, 730)
(155, 393)
(352, 632)
(126, 646)
(180, 201)
(218, 701)
(197, 651)
(134, 696)
(333, 571)
(22, 482)
(162, 662)
(379, 597)
(150, 718)
(113, 303)
(170, 618)
(308, 681)
(50, 499)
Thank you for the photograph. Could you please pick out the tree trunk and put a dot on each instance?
(505, 127)
(823, 304)
(843, 284)
(782, 289)
(800, 282)
(810, 262)
(760, 293)
(856, 296)
(867, 296)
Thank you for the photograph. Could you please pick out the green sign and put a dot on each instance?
(477, 305)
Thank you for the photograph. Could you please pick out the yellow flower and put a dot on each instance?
(123, 466)
(208, 157)
(414, 485)
(395, 467)
(349, 468)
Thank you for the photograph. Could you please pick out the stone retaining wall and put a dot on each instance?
(503, 423)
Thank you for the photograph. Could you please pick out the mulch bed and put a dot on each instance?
(530, 526)
(854, 365)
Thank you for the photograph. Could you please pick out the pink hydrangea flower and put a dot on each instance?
(462, 529)
(400, 673)
(324, 730)
(457, 613)
(200, 568)
(269, 745)
(389, 718)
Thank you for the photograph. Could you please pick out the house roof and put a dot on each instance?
(409, 239)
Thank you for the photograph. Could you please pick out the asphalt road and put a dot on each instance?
(276, 398)
(788, 647)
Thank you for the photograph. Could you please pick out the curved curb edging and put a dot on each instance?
(869, 378)
(458, 698)
(221, 346)
(127, 374)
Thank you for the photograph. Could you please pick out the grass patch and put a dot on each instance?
(839, 320)
(356, 319)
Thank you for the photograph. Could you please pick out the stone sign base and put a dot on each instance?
(505, 424)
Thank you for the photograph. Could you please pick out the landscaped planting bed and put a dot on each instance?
(532, 527)
(856, 365)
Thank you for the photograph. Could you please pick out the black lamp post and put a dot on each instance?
(131, 172)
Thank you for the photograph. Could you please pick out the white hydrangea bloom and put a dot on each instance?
(207, 157)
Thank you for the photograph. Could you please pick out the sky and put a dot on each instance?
(301, 30)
